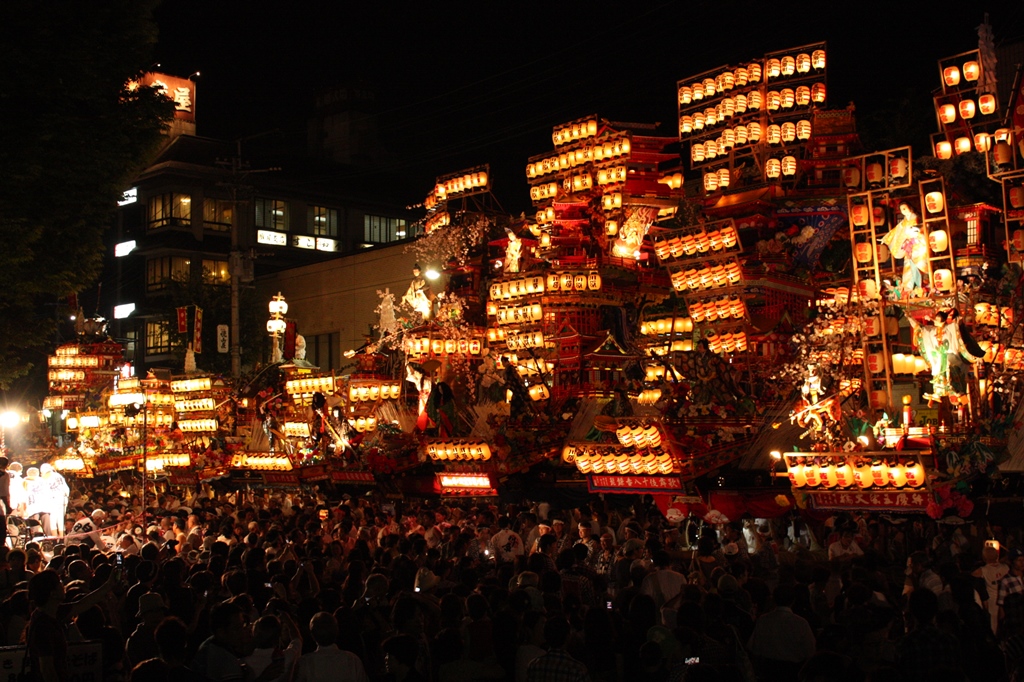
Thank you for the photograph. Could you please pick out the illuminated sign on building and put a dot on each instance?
(124, 248)
(272, 238)
(130, 196)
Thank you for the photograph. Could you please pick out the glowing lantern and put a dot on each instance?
(741, 134)
(879, 473)
(709, 87)
(934, 202)
(773, 68)
(971, 71)
(863, 252)
(962, 145)
(828, 476)
(872, 325)
(774, 100)
(943, 150)
(698, 92)
(947, 113)
(710, 149)
(987, 104)
(862, 475)
(788, 132)
(813, 475)
(754, 72)
(754, 100)
(818, 59)
(774, 134)
(789, 165)
(982, 143)
(938, 241)
(697, 152)
(723, 177)
(710, 117)
(741, 75)
(686, 124)
(867, 288)
(772, 168)
(1017, 201)
(897, 475)
(728, 108)
(803, 130)
(844, 475)
(851, 177)
(566, 281)
(788, 98)
(878, 216)
(728, 80)
(740, 103)
(899, 363)
(818, 93)
(883, 253)
(915, 474)
(898, 167)
(803, 96)
(803, 62)
(579, 282)
(967, 108)
(943, 280)
(875, 173)
(876, 363)
(754, 131)
(685, 94)
(728, 139)
(788, 65)
(711, 182)
(951, 76)
(878, 400)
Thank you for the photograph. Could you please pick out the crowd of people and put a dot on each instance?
(264, 585)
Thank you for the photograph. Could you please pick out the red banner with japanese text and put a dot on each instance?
(633, 485)
(197, 332)
(183, 320)
(910, 501)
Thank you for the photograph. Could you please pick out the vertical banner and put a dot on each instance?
(197, 332)
(223, 338)
(291, 330)
(183, 320)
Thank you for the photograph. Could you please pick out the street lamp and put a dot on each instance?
(276, 325)
(8, 420)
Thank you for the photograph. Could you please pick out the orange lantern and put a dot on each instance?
(951, 76)
(943, 150)
(803, 96)
(851, 176)
(773, 100)
(1002, 153)
(797, 478)
(813, 475)
(862, 475)
(883, 253)
(879, 473)
(987, 104)
(774, 134)
(876, 363)
(828, 476)
(982, 143)
(773, 68)
(818, 93)
(863, 252)
(723, 177)
(915, 474)
(788, 132)
(897, 475)
(772, 168)
(803, 62)
(711, 182)
(967, 108)
(875, 173)
(971, 71)
(867, 288)
(1016, 195)
(818, 59)
(789, 164)
(934, 202)
(788, 65)
(754, 131)
(947, 113)
(938, 241)
(844, 475)
(788, 98)
(962, 145)
(697, 152)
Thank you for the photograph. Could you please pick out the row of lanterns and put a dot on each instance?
(520, 341)
(546, 190)
(462, 183)
(306, 385)
(993, 315)
(774, 134)
(666, 325)
(516, 288)
(901, 363)
(742, 76)
(296, 429)
(161, 461)
(730, 342)
(459, 450)
(874, 172)
(609, 149)
(639, 436)
(696, 243)
(425, 345)
(649, 396)
(261, 462)
(73, 361)
(971, 72)
(578, 183)
(592, 461)
(198, 425)
(191, 385)
(520, 314)
(740, 104)
(372, 391)
(574, 281)
(437, 221)
(707, 278)
(998, 142)
(785, 166)
(1011, 358)
(195, 405)
(861, 474)
(677, 346)
(721, 309)
(966, 108)
(574, 131)
(466, 481)
(364, 424)
(153, 419)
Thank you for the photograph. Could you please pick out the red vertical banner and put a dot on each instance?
(197, 332)
(183, 320)
(291, 330)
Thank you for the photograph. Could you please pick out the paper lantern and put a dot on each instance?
(812, 474)
(741, 75)
(876, 363)
(728, 80)
(878, 216)
(711, 182)
(709, 87)
(863, 251)
(803, 62)
(788, 132)
(867, 288)
(773, 100)
(987, 105)
(698, 92)
(773, 134)
(943, 150)
(844, 475)
(943, 280)
(934, 202)
(710, 117)
(962, 145)
(828, 476)
(967, 108)
(697, 152)
(772, 68)
(789, 165)
(788, 98)
(728, 139)
(803, 96)
(938, 241)
(878, 399)
(971, 71)
(898, 167)
(686, 124)
(728, 108)
(741, 134)
(920, 365)
(883, 253)
(1016, 195)
(723, 177)
(862, 475)
(879, 473)
(951, 76)
(740, 103)
(818, 93)
(788, 65)
(818, 59)
(851, 177)
(1002, 153)
(710, 149)
(685, 94)
(772, 168)
(897, 475)
(914, 473)
(947, 113)
(875, 173)
(982, 142)
(754, 131)
(594, 281)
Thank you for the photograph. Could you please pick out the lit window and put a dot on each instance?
(170, 209)
(272, 214)
(160, 271)
(158, 337)
(216, 272)
(381, 230)
(972, 231)
(325, 221)
(217, 214)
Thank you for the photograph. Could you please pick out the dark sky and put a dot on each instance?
(460, 84)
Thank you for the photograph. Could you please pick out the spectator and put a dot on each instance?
(328, 662)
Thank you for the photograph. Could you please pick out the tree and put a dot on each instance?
(74, 134)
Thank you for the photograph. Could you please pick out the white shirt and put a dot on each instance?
(507, 545)
(331, 664)
(837, 551)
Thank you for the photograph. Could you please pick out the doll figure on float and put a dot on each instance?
(906, 242)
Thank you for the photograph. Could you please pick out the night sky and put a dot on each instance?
(461, 84)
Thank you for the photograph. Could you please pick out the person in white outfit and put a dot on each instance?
(57, 494)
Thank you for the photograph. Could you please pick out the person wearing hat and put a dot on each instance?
(142, 643)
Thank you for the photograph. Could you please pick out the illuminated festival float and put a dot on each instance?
(755, 297)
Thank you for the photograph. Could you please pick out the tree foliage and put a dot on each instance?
(73, 137)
